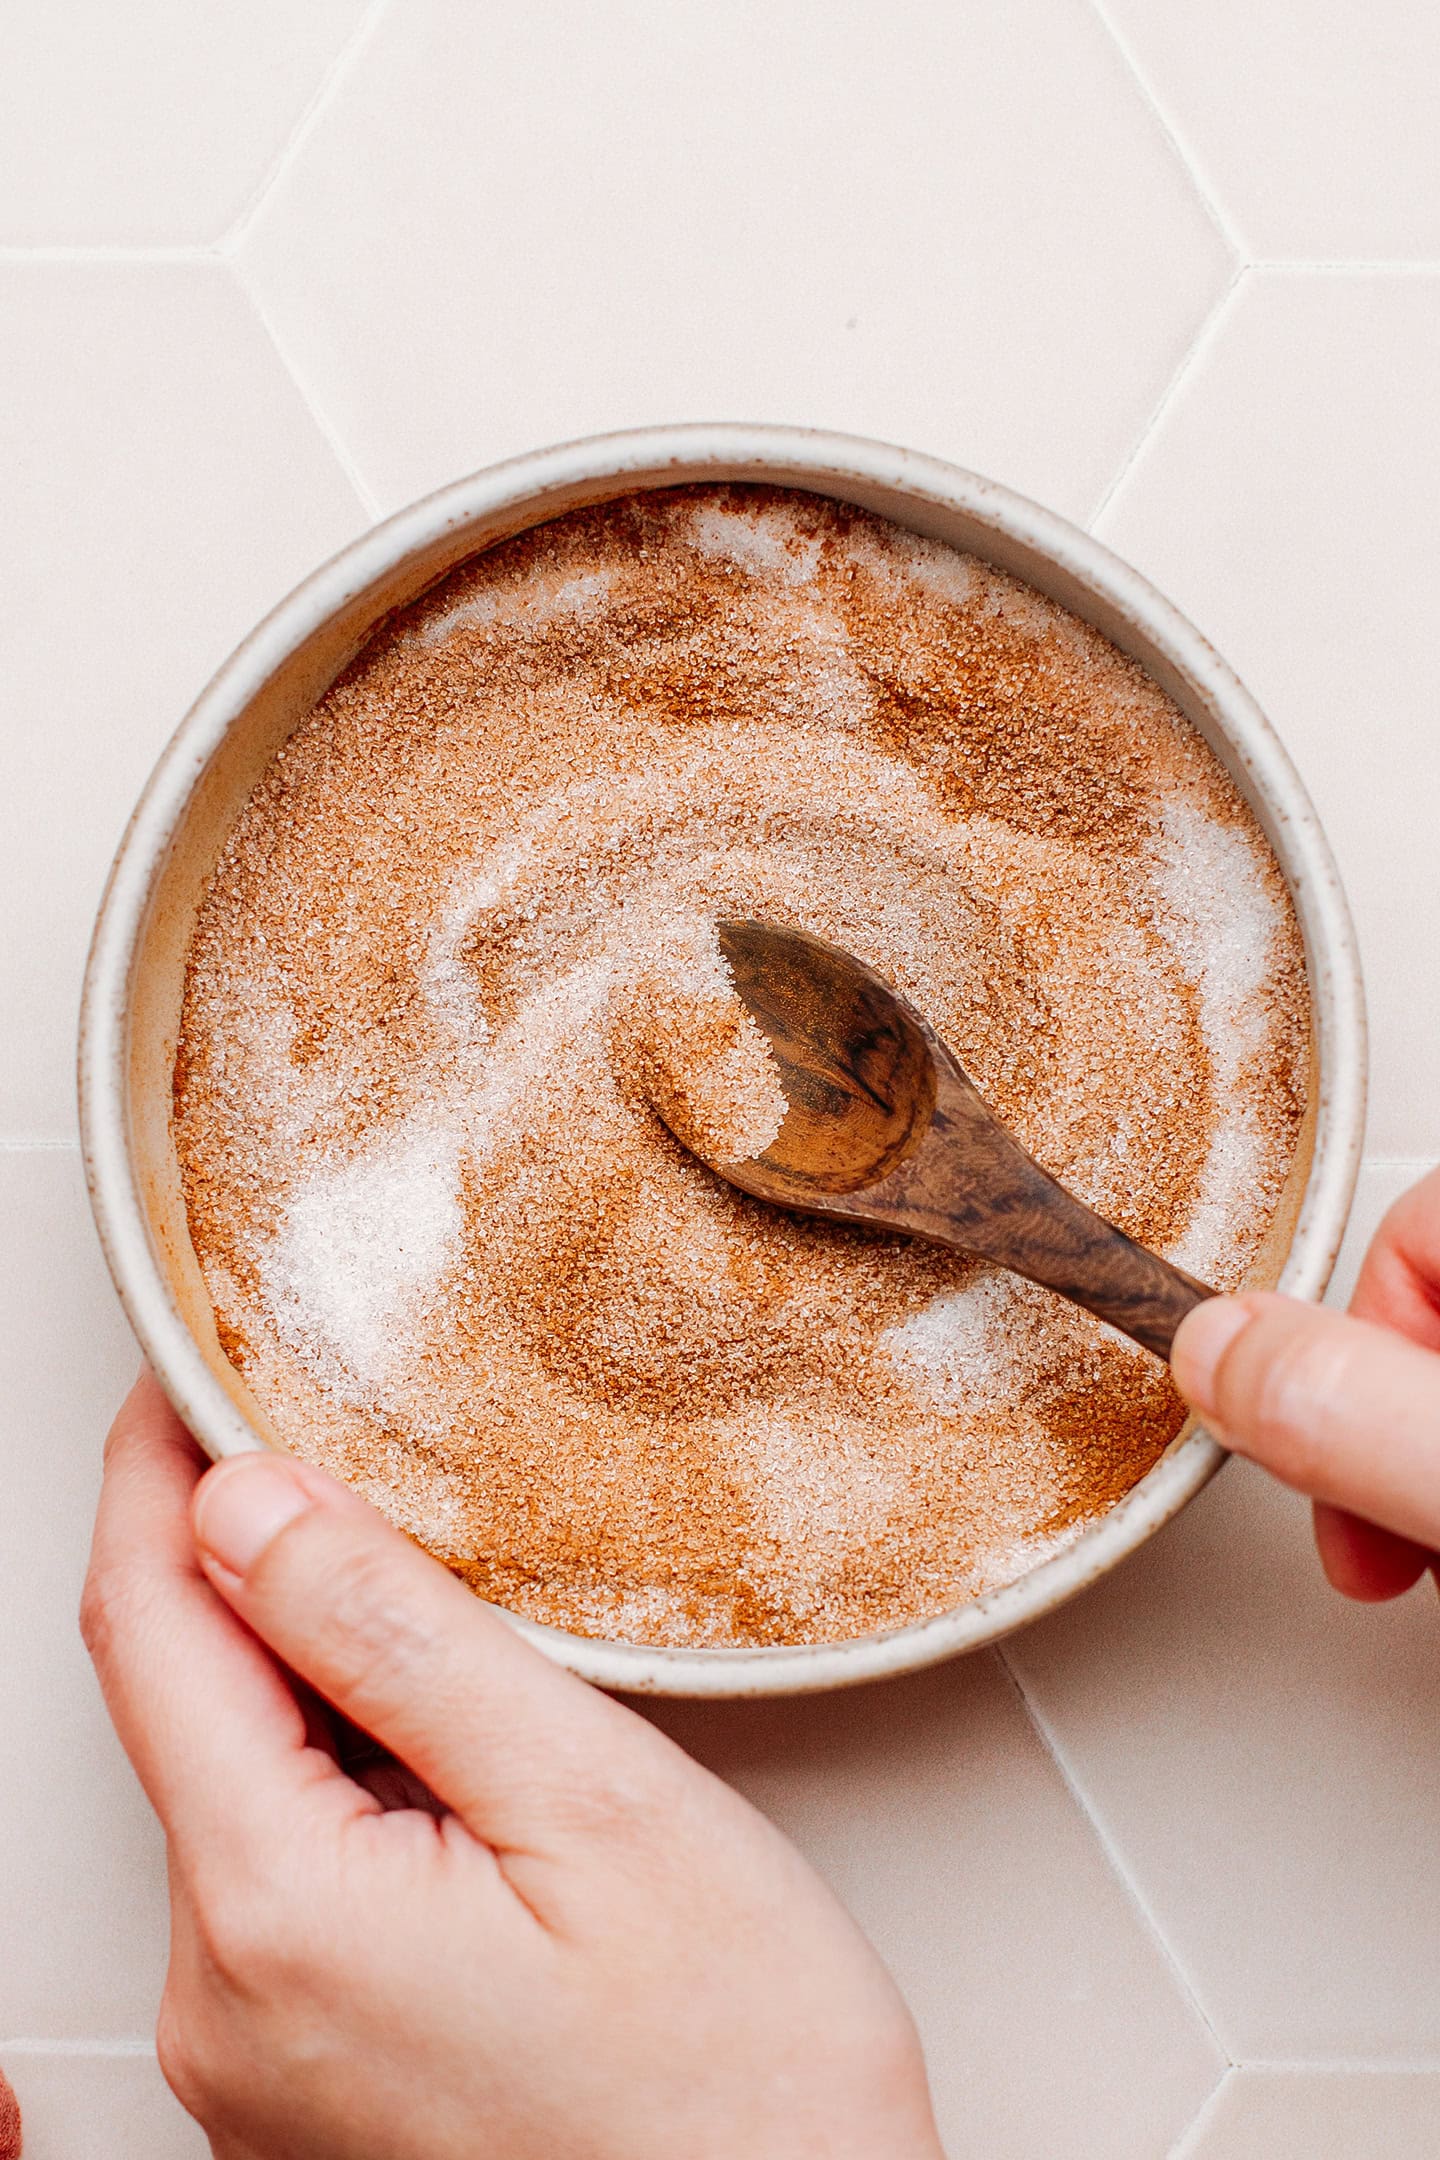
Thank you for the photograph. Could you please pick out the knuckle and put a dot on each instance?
(375, 1644)
(180, 2060)
(627, 1801)
(108, 1607)
(244, 1936)
(95, 1617)
(607, 1808)
(123, 1429)
(1287, 1392)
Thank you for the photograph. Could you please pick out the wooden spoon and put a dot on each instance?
(884, 1128)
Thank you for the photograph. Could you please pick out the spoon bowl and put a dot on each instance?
(855, 1065)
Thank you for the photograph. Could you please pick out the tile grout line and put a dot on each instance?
(1114, 1859)
(1209, 197)
(1187, 2144)
(187, 252)
(1338, 266)
(112, 2050)
(1195, 354)
(325, 90)
(217, 258)
(209, 251)
(1339, 2066)
(233, 240)
(337, 447)
(220, 249)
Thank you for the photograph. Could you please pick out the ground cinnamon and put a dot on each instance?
(461, 943)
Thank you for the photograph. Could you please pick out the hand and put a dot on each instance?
(9, 2123)
(584, 1948)
(1345, 1408)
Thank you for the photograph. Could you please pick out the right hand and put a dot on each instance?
(1345, 1408)
(544, 1935)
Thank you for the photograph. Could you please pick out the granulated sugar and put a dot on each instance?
(457, 970)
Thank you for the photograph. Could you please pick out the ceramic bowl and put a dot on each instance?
(135, 975)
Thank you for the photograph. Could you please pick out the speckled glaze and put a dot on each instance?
(134, 980)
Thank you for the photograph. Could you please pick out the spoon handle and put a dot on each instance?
(1053, 1238)
(972, 1185)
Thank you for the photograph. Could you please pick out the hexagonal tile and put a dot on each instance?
(1290, 501)
(1317, 122)
(1051, 2020)
(81, 1858)
(101, 2107)
(155, 121)
(958, 228)
(1261, 1754)
(1319, 2114)
(165, 484)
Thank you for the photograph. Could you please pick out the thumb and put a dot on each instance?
(9, 2122)
(1343, 1410)
(510, 1742)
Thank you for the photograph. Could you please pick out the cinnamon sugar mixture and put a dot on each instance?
(461, 946)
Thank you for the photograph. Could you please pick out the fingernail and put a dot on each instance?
(242, 1506)
(1201, 1341)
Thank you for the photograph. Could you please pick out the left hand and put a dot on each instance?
(542, 1934)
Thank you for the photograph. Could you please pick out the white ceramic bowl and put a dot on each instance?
(134, 980)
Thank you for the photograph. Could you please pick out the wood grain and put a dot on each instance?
(885, 1128)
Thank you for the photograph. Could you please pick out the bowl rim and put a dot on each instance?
(677, 455)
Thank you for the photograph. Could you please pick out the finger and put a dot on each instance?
(211, 1725)
(9, 2122)
(514, 1745)
(1362, 1560)
(1399, 1283)
(1398, 1287)
(1343, 1410)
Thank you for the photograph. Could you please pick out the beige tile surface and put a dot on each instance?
(981, 230)
(959, 226)
(1262, 1755)
(1320, 2115)
(101, 2107)
(937, 1815)
(153, 121)
(164, 485)
(1317, 122)
(1304, 447)
(82, 1896)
